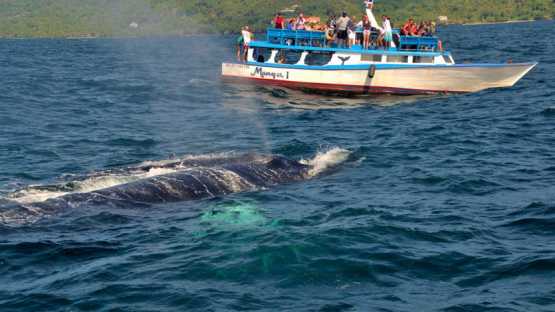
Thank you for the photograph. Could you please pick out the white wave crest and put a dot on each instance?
(102, 180)
(178, 160)
(324, 160)
(36, 195)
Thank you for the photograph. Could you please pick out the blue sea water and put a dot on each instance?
(446, 203)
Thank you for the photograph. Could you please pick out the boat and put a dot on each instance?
(300, 59)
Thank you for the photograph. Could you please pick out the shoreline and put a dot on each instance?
(112, 37)
(88, 37)
(496, 23)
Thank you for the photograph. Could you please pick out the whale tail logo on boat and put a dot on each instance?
(344, 59)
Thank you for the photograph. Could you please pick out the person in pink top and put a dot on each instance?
(367, 32)
(300, 25)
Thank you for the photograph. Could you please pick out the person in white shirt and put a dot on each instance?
(247, 36)
(300, 25)
(351, 32)
(386, 36)
(342, 25)
(369, 4)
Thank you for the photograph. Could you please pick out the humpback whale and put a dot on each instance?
(180, 180)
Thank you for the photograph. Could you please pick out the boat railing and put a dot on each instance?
(318, 39)
(418, 43)
(285, 36)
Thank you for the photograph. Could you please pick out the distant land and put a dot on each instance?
(106, 18)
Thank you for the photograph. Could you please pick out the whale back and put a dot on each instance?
(192, 183)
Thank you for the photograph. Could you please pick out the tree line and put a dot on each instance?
(66, 18)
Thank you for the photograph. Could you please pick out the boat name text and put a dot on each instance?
(259, 71)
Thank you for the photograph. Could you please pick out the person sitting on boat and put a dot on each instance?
(342, 26)
(406, 28)
(279, 21)
(367, 32)
(432, 26)
(247, 36)
(300, 24)
(410, 28)
(330, 35)
(291, 24)
(281, 57)
(428, 32)
(422, 29)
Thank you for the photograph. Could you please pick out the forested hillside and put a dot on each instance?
(54, 18)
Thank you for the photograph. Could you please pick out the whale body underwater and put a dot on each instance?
(173, 181)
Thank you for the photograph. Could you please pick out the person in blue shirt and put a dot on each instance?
(291, 24)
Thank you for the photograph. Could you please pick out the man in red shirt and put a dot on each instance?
(278, 21)
(409, 29)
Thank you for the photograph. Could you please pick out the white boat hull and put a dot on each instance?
(385, 79)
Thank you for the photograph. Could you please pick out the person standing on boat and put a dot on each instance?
(351, 32)
(359, 29)
(247, 35)
(279, 21)
(367, 32)
(386, 38)
(300, 25)
(342, 26)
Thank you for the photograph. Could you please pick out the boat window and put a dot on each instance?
(288, 56)
(318, 58)
(447, 59)
(261, 55)
(376, 58)
(397, 58)
(423, 59)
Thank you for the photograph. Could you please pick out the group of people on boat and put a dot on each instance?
(345, 31)
(299, 23)
(424, 29)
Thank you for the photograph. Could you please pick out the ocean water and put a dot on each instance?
(444, 203)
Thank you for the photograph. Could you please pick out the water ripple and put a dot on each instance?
(445, 204)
